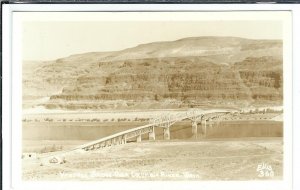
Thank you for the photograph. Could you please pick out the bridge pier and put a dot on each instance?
(124, 139)
(139, 137)
(194, 129)
(119, 141)
(167, 133)
(152, 134)
(203, 126)
(102, 145)
(108, 143)
(165, 122)
(98, 146)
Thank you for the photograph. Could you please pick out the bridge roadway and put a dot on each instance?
(164, 121)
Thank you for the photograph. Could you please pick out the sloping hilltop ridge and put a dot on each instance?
(191, 72)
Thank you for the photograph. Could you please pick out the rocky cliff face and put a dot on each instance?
(190, 72)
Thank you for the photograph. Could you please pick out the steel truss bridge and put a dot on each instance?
(164, 121)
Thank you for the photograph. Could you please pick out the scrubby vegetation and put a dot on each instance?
(52, 148)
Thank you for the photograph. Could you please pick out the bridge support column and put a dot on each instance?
(119, 140)
(98, 146)
(152, 134)
(92, 147)
(124, 139)
(203, 126)
(108, 143)
(139, 137)
(102, 145)
(167, 133)
(194, 129)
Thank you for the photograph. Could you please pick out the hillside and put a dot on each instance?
(191, 72)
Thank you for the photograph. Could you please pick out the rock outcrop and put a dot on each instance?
(190, 72)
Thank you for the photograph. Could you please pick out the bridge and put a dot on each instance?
(165, 121)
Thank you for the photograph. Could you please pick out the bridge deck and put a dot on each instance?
(160, 123)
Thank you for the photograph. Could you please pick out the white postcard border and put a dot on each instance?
(12, 95)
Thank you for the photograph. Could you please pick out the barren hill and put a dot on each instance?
(190, 72)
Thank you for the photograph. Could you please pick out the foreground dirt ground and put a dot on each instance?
(233, 159)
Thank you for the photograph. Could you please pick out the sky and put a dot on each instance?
(50, 40)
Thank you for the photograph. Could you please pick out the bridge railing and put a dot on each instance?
(172, 118)
(155, 122)
(114, 136)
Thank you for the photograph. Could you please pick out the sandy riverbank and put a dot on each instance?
(234, 159)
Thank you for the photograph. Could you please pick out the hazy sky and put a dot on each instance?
(52, 40)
